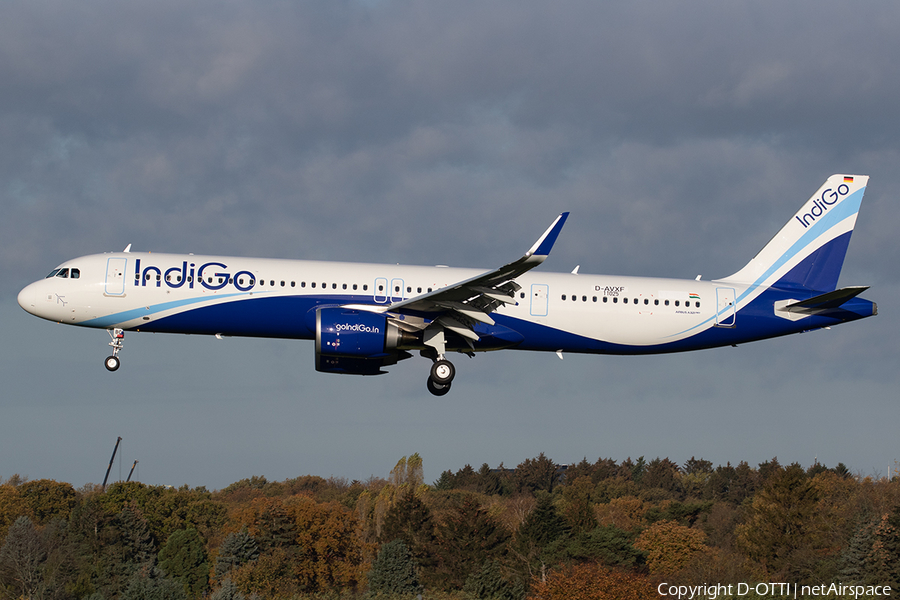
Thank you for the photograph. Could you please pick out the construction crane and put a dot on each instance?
(111, 460)
(131, 471)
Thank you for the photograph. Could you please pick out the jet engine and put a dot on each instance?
(357, 342)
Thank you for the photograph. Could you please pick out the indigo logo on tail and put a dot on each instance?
(821, 204)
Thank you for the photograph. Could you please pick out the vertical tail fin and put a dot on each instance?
(809, 250)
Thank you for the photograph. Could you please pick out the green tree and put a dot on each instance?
(467, 538)
(855, 555)
(153, 586)
(540, 528)
(490, 584)
(394, 571)
(606, 545)
(539, 473)
(781, 524)
(183, 558)
(411, 520)
(663, 474)
(237, 549)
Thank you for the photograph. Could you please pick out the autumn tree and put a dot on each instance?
(883, 560)
(12, 506)
(329, 554)
(589, 581)
(46, 499)
(669, 546)
(22, 558)
(577, 508)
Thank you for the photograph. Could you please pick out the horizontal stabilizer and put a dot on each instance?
(830, 300)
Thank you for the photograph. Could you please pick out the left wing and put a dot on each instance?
(460, 306)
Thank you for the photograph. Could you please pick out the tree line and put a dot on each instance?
(542, 531)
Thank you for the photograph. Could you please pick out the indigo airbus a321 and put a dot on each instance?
(364, 317)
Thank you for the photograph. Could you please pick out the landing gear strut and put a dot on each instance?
(442, 373)
(118, 342)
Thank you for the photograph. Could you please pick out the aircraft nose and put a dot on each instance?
(27, 298)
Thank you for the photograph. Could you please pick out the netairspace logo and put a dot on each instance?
(774, 590)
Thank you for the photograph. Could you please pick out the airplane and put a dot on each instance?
(365, 317)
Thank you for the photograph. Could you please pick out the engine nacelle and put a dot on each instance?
(355, 341)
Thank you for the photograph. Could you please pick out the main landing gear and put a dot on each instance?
(118, 342)
(442, 373)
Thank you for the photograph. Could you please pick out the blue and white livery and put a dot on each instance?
(364, 317)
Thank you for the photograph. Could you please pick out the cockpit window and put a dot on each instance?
(64, 273)
(75, 273)
(52, 274)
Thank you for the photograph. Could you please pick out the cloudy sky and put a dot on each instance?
(681, 136)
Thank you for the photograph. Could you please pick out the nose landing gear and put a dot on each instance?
(118, 342)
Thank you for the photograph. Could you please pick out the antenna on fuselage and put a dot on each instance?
(127, 248)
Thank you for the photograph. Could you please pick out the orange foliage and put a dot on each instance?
(669, 546)
(12, 506)
(625, 512)
(592, 582)
(326, 536)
